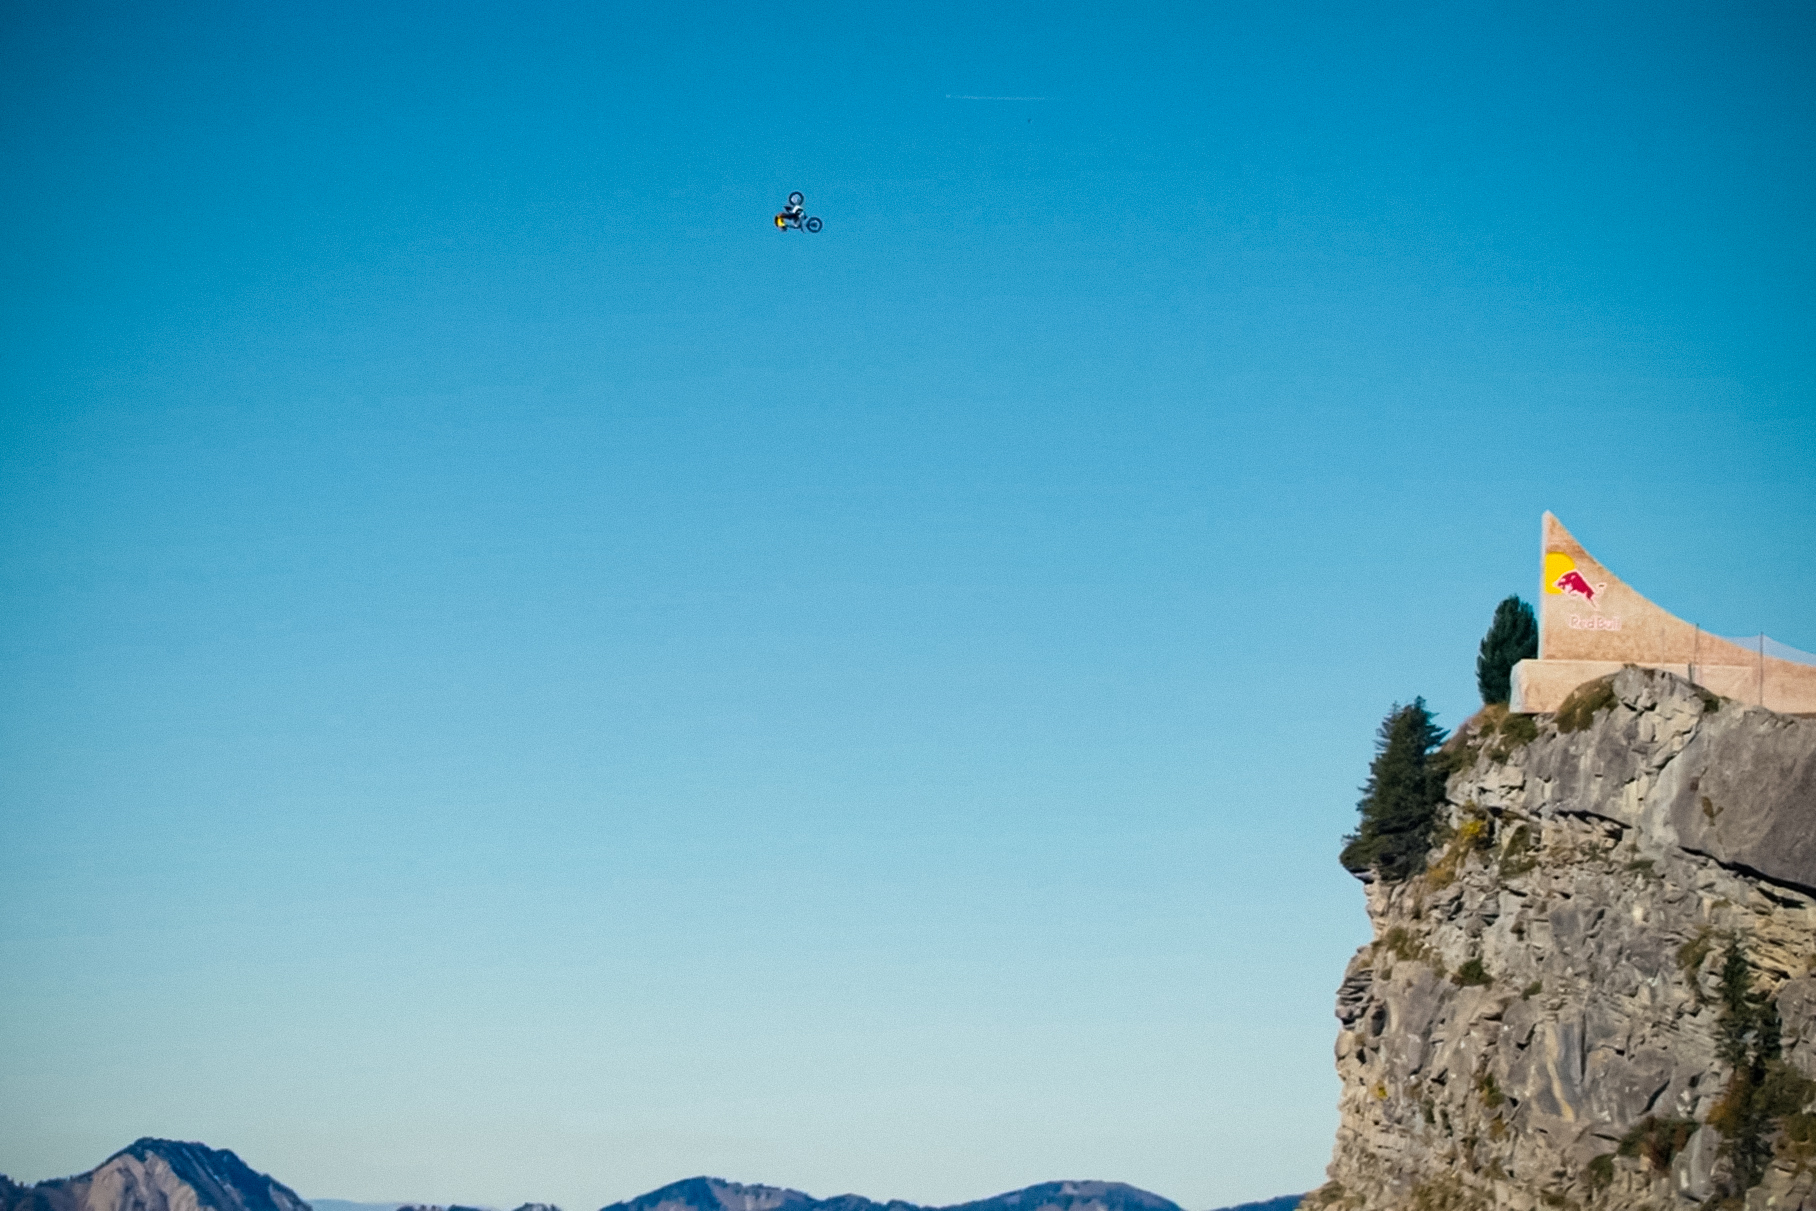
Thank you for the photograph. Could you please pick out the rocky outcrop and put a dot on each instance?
(157, 1175)
(1601, 991)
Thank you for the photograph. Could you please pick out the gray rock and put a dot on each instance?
(1598, 876)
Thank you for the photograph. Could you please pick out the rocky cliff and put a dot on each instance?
(157, 1175)
(1600, 992)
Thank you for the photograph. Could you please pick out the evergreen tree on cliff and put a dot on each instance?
(1513, 636)
(1400, 799)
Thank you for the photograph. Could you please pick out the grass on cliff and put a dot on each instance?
(1490, 1091)
(1690, 957)
(1494, 730)
(1475, 833)
(1400, 943)
(1578, 709)
(1654, 1141)
(1515, 732)
(1403, 944)
(1798, 1142)
(1472, 975)
(1658, 1140)
(1520, 854)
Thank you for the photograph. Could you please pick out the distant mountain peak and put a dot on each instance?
(158, 1175)
(716, 1194)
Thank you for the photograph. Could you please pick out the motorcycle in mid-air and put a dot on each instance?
(795, 215)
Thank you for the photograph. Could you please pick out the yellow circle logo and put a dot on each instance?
(1556, 564)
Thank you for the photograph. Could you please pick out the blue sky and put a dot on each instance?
(527, 683)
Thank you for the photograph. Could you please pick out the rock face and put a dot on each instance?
(711, 1194)
(157, 1175)
(1543, 1019)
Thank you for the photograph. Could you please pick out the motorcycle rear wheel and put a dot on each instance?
(814, 223)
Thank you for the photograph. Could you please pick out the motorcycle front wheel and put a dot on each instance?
(796, 198)
(814, 223)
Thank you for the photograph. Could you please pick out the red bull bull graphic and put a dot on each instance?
(1561, 577)
(1573, 582)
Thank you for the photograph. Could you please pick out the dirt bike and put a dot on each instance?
(793, 216)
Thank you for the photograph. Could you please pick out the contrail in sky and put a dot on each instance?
(963, 97)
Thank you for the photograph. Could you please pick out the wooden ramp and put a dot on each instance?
(1591, 623)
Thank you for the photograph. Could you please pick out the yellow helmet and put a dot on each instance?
(781, 222)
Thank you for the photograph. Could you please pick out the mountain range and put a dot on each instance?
(711, 1194)
(168, 1175)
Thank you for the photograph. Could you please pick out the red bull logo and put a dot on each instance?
(1573, 582)
(1562, 577)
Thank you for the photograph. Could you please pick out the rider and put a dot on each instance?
(792, 212)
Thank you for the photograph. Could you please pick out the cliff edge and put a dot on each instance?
(1600, 991)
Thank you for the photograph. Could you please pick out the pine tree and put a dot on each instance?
(1400, 799)
(1513, 636)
